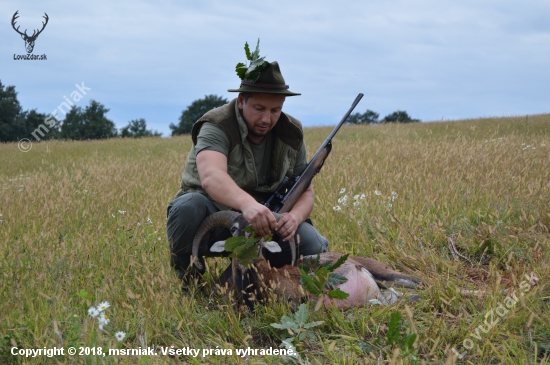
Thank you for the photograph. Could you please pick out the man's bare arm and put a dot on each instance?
(212, 167)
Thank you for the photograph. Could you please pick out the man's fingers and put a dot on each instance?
(265, 225)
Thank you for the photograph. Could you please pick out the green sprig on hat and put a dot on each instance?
(257, 64)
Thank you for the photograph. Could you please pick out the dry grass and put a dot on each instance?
(63, 233)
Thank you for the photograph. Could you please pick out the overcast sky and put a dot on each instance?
(435, 59)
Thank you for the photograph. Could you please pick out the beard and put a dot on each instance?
(257, 133)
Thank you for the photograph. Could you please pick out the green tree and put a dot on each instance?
(88, 124)
(399, 117)
(368, 117)
(35, 126)
(194, 111)
(10, 115)
(137, 128)
(16, 124)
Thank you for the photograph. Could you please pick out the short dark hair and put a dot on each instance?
(246, 95)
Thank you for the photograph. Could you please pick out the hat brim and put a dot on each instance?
(256, 89)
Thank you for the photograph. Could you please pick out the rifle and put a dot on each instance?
(290, 189)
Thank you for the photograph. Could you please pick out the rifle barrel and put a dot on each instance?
(312, 168)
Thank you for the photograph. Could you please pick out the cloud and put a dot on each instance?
(431, 58)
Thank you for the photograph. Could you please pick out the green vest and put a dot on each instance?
(240, 162)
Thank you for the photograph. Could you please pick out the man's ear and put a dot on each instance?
(240, 101)
(218, 247)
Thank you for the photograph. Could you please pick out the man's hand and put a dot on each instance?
(260, 218)
(287, 226)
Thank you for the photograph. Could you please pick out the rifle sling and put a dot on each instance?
(224, 276)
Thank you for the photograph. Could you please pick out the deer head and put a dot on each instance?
(29, 40)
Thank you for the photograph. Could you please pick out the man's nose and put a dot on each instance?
(266, 118)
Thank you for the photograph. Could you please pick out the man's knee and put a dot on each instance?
(184, 215)
(310, 241)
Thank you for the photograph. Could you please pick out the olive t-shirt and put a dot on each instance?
(212, 138)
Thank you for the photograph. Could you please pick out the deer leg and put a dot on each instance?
(385, 274)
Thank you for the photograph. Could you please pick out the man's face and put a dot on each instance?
(261, 112)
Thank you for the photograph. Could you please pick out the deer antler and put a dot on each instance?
(34, 34)
(15, 16)
(43, 25)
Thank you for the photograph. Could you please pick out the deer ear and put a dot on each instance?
(272, 246)
(218, 247)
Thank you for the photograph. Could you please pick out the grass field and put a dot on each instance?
(84, 222)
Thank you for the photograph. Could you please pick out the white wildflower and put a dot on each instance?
(103, 306)
(356, 204)
(390, 205)
(149, 221)
(543, 145)
(159, 238)
(336, 208)
(356, 197)
(343, 191)
(122, 212)
(362, 196)
(138, 224)
(93, 312)
(103, 319)
(377, 192)
(120, 336)
(100, 326)
(113, 215)
(343, 200)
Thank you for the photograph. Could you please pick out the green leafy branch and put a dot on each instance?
(245, 248)
(296, 329)
(394, 337)
(257, 64)
(320, 280)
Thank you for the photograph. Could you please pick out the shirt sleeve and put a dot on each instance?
(212, 138)
(301, 161)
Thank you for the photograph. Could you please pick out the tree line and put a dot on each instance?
(91, 121)
(79, 123)
(370, 117)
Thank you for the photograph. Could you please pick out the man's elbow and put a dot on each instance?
(207, 183)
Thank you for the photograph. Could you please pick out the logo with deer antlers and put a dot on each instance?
(29, 40)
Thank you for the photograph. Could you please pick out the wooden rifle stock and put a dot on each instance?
(288, 192)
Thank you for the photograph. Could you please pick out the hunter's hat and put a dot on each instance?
(271, 81)
(261, 76)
